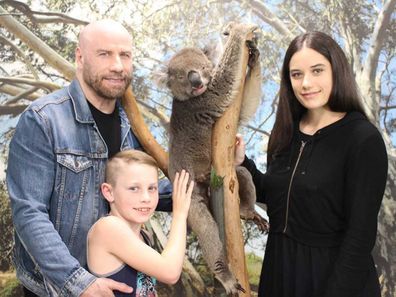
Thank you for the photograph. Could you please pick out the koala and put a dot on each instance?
(201, 93)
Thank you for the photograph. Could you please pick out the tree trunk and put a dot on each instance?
(223, 145)
(190, 283)
(139, 127)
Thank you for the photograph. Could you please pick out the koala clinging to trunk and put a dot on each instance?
(201, 94)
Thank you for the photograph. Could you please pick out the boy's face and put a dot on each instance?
(135, 193)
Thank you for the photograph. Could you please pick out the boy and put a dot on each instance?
(117, 246)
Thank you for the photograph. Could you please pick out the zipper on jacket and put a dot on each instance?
(290, 183)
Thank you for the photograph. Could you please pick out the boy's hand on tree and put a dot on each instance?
(181, 195)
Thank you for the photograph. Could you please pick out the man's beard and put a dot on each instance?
(95, 82)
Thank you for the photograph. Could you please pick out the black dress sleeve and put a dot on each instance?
(365, 179)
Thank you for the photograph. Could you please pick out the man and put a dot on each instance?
(56, 165)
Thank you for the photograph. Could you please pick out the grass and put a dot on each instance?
(9, 285)
(254, 264)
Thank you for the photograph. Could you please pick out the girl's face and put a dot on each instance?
(311, 79)
(135, 194)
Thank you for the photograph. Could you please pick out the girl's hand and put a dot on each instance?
(181, 195)
(239, 150)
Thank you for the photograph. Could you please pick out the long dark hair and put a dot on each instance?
(344, 96)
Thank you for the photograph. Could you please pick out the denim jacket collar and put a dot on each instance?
(81, 109)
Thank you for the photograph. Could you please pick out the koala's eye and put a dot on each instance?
(180, 76)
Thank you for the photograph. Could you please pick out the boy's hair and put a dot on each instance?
(126, 157)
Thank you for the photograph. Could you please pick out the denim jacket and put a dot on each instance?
(56, 165)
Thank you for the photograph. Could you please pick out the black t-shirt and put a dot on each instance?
(109, 126)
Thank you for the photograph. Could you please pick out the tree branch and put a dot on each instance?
(388, 107)
(22, 95)
(141, 131)
(21, 54)
(37, 45)
(347, 35)
(377, 38)
(15, 91)
(258, 129)
(164, 120)
(13, 110)
(294, 20)
(52, 17)
(368, 81)
(270, 18)
(36, 83)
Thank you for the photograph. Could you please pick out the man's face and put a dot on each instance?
(106, 64)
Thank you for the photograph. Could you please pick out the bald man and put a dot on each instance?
(56, 165)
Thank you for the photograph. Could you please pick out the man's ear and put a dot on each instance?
(107, 191)
(79, 57)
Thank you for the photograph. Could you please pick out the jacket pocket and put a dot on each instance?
(74, 183)
(73, 175)
(73, 162)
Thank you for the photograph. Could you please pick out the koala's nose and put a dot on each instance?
(195, 79)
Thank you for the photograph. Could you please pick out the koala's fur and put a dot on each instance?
(201, 94)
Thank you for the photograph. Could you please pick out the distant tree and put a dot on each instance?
(6, 230)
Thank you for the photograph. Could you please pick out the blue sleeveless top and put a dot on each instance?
(142, 284)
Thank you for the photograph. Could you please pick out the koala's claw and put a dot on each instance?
(230, 283)
(261, 223)
(240, 288)
(254, 53)
(241, 28)
(252, 43)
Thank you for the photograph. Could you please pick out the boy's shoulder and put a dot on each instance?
(111, 220)
(112, 224)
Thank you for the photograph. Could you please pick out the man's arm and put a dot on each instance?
(30, 182)
(165, 193)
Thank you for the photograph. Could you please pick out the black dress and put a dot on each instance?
(323, 196)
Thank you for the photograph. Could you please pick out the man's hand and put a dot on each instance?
(103, 287)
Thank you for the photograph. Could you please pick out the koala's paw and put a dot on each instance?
(246, 31)
(231, 285)
(227, 279)
(228, 28)
(260, 222)
(254, 53)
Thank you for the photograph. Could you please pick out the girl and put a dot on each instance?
(325, 179)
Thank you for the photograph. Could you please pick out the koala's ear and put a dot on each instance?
(227, 29)
(161, 77)
(213, 51)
